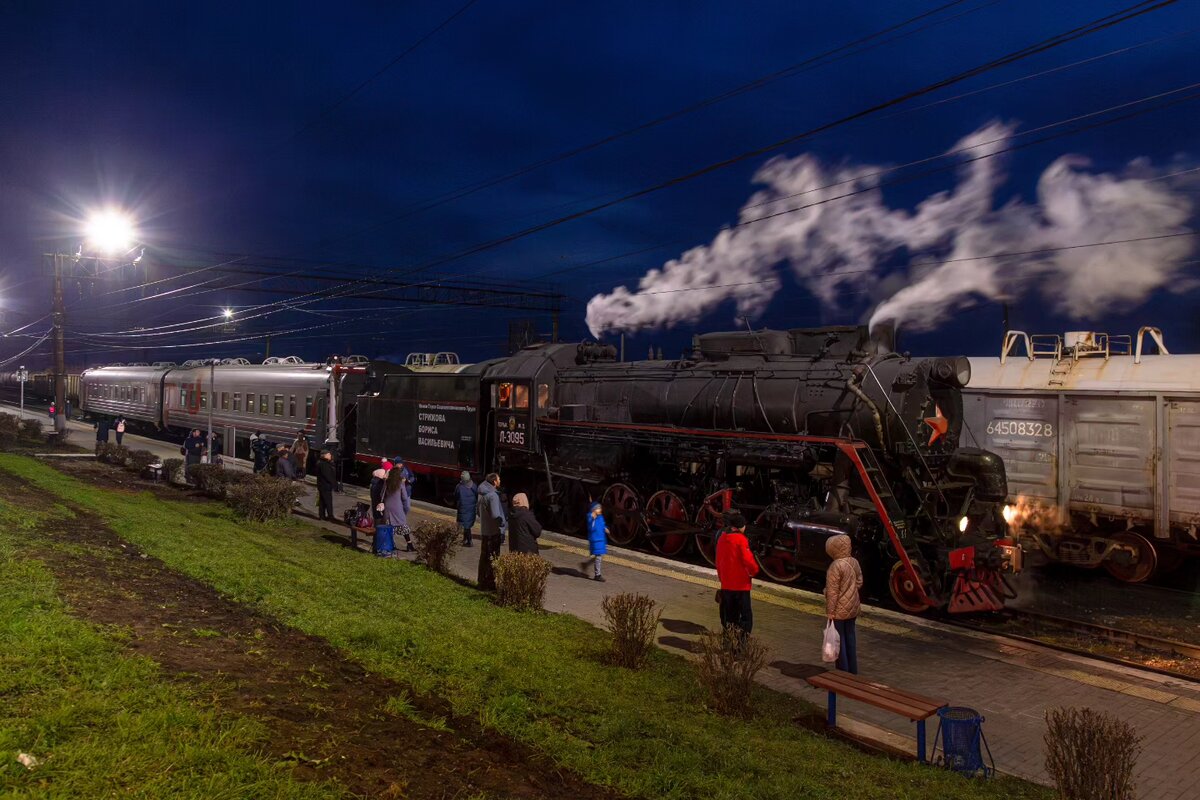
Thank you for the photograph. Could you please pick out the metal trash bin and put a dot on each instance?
(960, 731)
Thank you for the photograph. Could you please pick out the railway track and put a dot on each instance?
(1168, 657)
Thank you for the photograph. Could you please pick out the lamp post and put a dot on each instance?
(110, 232)
(22, 376)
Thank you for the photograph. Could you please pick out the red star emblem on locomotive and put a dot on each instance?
(939, 424)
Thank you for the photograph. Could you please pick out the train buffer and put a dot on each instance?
(915, 707)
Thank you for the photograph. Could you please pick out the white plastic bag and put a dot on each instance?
(832, 644)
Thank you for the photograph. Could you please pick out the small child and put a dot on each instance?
(597, 541)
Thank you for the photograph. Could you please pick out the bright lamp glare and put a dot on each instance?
(228, 313)
(110, 231)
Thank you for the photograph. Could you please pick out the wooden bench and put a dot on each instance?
(914, 706)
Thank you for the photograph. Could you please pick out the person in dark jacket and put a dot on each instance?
(215, 449)
(260, 450)
(378, 480)
(524, 529)
(102, 428)
(466, 497)
(284, 466)
(192, 450)
(326, 482)
(492, 528)
(597, 542)
(735, 567)
(120, 429)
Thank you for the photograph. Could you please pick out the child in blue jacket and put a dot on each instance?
(597, 541)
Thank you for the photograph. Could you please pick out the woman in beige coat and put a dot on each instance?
(843, 580)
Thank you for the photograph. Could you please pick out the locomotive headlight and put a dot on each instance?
(954, 371)
(962, 525)
(1009, 513)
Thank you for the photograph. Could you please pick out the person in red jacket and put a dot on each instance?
(735, 567)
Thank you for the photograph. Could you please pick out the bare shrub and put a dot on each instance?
(728, 662)
(209, 478)
(1090, 754)
(31, 431)
(115, 454)
(521, 580)
(436, 544)
(263, 498)
(139, 460)
(172, 469)
(8, 430)
(633, 620)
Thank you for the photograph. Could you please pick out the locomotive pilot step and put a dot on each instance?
(915, 707)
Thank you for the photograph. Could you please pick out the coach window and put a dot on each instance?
(262, 404)
(522, 396)
(543, 395)
(505, 398)
(183, 398)
(308, 407)
(204, 399)
(224, 401)
(237, 401)
(291, 405)
(278, 405)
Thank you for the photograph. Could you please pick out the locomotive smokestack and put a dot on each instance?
(883, 337)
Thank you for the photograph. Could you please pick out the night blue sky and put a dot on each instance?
(206, 119)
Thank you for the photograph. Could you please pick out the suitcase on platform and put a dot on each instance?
(384, 543)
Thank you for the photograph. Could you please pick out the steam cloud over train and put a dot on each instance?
(810, 432)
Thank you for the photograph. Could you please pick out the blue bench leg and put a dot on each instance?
(921, 741)
(831, 718)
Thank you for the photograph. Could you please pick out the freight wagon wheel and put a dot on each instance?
(781, 560)
(904, 590)
(1143, 563)
(623, 510)
(665, 513)
(708, 520)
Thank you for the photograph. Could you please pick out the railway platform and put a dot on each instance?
(1011, 683)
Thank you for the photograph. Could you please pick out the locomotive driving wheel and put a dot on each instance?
(905, 591)
(666, 513)
(708, 520)
(781, 558)
(1138, 567)
(623, 510)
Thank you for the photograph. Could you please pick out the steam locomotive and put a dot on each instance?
(809, 432)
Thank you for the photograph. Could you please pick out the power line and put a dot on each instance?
(379, 72)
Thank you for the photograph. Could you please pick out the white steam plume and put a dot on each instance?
(840, 246)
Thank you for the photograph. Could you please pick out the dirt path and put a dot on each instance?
(326, 714)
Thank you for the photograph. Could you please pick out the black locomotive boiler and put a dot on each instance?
(810, 432)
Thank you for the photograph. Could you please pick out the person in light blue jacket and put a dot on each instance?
(597, 542)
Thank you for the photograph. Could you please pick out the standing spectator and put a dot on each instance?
(102, 431)
(326, 482)
(300, 454)
(409, 478)
(466, 498)
(525, 527)
(597, 542)
(67, 408)
(193, 448)
(492, 528)
(735, 567)
(52, 412)
(260, 450)
(843, 580)
(378, 481)
(396, 506)
(285, 467)
(120, 429)
(215, 450)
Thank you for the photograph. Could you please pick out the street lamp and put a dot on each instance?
(228, 313)
(109, 231)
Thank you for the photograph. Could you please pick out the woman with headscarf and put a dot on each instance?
(843, 580)
(300, 454)
(396, 506)
(523, 527)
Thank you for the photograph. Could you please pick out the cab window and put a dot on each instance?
(521, 396)
(543, 395)
(505, 396)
